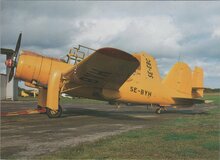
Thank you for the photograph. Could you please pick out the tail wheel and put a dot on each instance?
(164, 109)
(158, 110)
(54, 114)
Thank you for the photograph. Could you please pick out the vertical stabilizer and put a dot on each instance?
(197, 83)
(148, 69)
(179, 78)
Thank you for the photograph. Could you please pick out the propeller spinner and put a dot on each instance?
(12, 61)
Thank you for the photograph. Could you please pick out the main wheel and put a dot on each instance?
(54, 114)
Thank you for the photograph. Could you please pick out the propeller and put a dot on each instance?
(12, 61)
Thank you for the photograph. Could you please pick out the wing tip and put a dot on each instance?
(117, 53)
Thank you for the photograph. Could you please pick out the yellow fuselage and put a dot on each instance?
(144, 86)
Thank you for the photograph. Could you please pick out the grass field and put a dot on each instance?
(215, 97)
(186, 137)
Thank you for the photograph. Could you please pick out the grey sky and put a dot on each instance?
(163, 29)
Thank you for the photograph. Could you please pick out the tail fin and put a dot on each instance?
(180, 78)
(197, 83)
(148, 67)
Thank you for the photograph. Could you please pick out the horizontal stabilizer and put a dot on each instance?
(189, 101)
(195, 88)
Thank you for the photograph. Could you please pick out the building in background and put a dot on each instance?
(9, 90)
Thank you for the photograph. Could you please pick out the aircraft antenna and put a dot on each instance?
(179, 57)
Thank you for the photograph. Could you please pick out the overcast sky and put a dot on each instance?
(163, 29)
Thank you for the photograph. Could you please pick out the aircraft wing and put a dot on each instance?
(106, 68)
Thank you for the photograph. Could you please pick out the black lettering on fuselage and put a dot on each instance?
(140, 91)
(149, 68)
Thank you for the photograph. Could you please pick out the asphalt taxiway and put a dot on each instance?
(27, 136)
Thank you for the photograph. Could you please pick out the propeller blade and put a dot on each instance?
(11, 62)
(11, 74)
(18, 43)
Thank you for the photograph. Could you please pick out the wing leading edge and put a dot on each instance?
(106, 68)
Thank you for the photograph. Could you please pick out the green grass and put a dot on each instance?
(180, 136)
(186, 137)
(212, 146)
(215, 97)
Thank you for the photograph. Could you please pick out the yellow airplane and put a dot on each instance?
(107, 74)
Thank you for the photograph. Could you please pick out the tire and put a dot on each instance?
(158, 110)
(54, 114)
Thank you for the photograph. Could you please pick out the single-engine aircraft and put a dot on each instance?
(107, 74)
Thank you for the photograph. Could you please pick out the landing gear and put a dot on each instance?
(158, 110)
(112, 102)
(164, 109)
(118, 105)
(54, 114)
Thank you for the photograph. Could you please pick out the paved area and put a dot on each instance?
(27, 136)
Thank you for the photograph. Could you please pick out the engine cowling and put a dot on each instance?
(36, 69)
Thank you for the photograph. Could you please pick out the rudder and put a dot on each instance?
(179, 78)
(197, 83)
